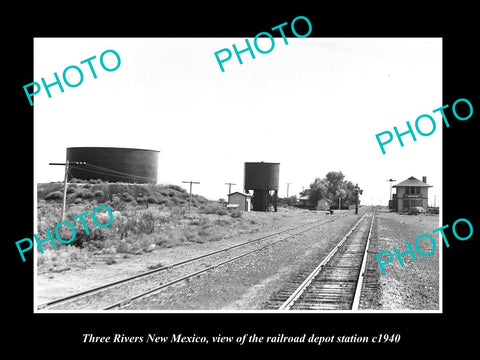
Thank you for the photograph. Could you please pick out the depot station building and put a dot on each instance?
(410, 192)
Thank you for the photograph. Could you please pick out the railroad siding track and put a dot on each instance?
(122, 292)
(335, 284)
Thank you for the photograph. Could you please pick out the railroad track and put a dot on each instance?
(117, 294)
(335, 283)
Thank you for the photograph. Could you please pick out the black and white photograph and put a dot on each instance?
(246, 189)
(273, 183)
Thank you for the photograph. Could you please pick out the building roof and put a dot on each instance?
(241, 193)
(412, 181)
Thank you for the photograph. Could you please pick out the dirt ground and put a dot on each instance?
(415, 286)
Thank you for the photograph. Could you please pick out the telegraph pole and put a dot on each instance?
(66, 164)
(229, 187)
(288, 187)
(190, 200)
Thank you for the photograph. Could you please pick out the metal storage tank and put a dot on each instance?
(114, 164)
(261, 176)
(263, 179)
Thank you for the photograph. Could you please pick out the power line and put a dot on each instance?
(125, 175)
(66, 164)
(108, 171)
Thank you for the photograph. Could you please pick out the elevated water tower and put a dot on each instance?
(263, 179)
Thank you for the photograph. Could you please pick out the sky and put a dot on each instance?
(314, 105)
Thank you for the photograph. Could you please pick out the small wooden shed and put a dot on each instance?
(323, 204)
(243, 200)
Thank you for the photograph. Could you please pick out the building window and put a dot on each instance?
(411, 190)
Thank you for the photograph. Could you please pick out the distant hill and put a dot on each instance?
(81, 191)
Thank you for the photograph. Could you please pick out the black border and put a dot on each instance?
(421, 333)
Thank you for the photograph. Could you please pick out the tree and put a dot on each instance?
(290, 201)
(334, 181)
(332, 187)
(318, 190)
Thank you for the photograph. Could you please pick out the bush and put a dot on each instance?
(85, 194)
(213, 209)
(176, 187)
(127, 197)
(152, 199)
(236, 213)
(55, 195)
(223, 222)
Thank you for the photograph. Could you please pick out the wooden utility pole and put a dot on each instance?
(190, 200)
(66, 164)
(230, 187)
(288, 187)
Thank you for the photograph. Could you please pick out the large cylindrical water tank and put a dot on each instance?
(113, 164)
(261, 176)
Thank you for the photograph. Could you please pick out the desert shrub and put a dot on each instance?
(55, 195)
(127, 197)
(202, 221)
(123, 247)
(176, 187)
(190, 235)
(213, 209)
(152, 199)
(222, 222)
(205, 232)
(95, 238)
(163, 201)
(98, 194)
(236, 213)
(85, 194)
